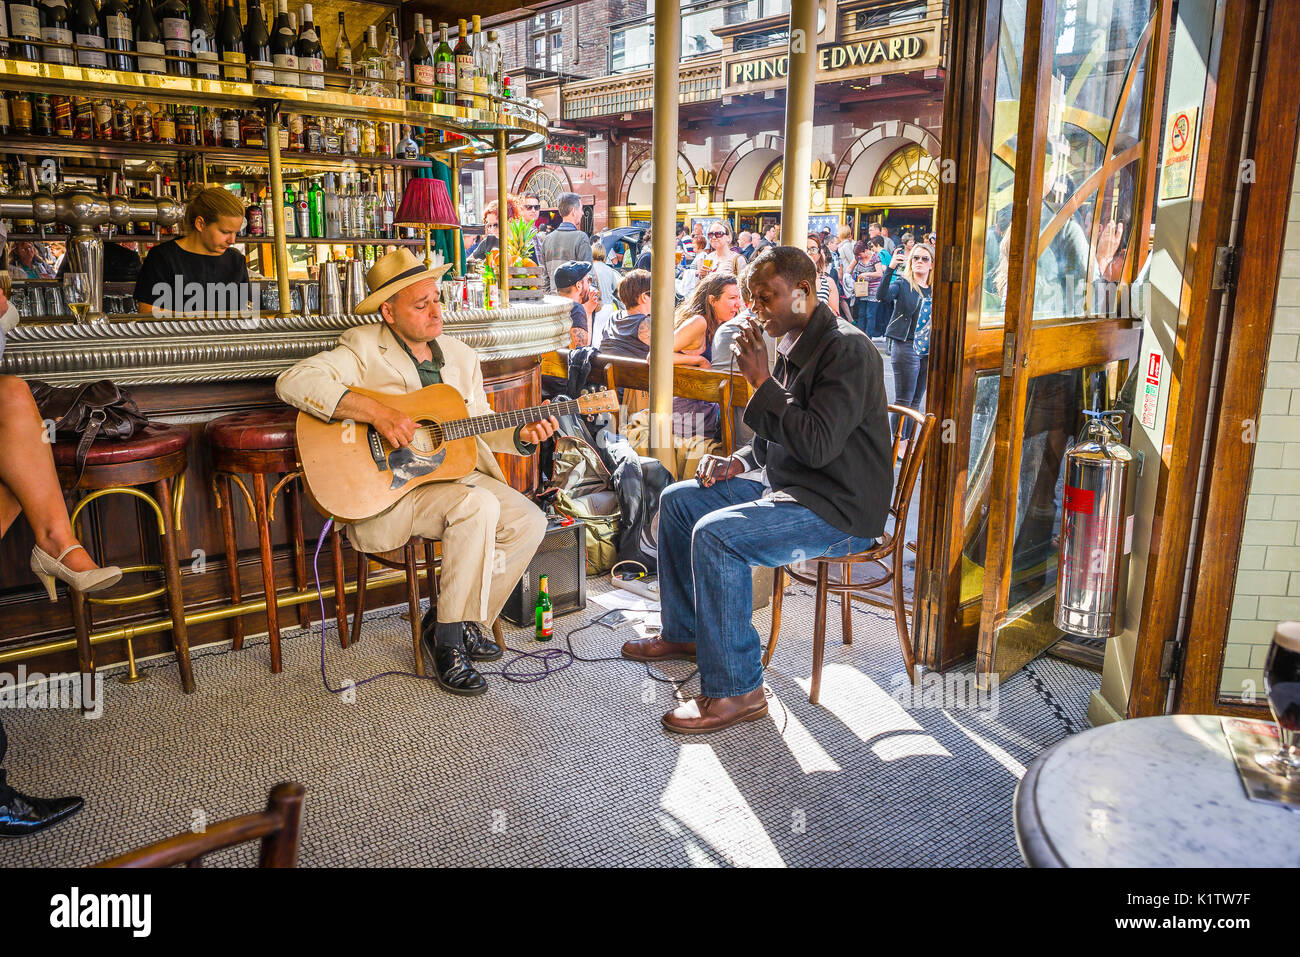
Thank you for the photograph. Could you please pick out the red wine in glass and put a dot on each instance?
(1282, 684)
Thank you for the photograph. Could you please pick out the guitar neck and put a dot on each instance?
(480, 424)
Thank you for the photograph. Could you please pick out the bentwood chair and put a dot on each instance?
(278, 827)
(884, 561)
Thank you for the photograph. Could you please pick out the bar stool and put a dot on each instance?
(154, 459)
(404, 559)
(261, 443)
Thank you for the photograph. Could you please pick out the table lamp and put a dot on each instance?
(427, 204)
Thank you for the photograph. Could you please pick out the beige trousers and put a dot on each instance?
(489, 534)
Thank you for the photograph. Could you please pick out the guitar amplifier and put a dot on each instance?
(562, 558)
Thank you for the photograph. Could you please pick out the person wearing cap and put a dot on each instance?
(489, 531)
(573, 281)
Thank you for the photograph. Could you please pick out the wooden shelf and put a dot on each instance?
(61, 146)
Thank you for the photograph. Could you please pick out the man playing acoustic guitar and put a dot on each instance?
(489, 532)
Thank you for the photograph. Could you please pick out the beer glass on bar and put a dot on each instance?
(1282, 684)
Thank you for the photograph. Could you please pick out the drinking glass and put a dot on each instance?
(76, 294)
(1282, 684)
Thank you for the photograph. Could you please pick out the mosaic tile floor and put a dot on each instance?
(572, 770)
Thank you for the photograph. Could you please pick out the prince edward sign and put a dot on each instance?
(835, 61)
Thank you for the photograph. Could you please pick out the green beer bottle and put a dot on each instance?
(544, 631)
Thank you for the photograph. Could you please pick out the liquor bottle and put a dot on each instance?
(24, 24)
(407, 148)
(62, 115)
(444, 67)
(257, 45)
(230, 44)
(331, 138)
(282, 134)
(103, 115)
(545, 627)
(368, 139)
(187, 125)
(142, 123)
(115, 19)
(290, 212)
(480, 66)
(345, 208)
(203, 41)
(331, 203)
(356, 212)
(56, 31)
(252, 129)
(395, 65)
(164, 126)
(422, 71)
(176, 36)
(123, 131)
(268, 212)
(384, 140)
(20, 113)
(292, 129)
(351, 137)
(387, 209)
(310, 56)
(372, 67)
(370, 210)
(311, 135)
(464, 67)
(316, 209)
(83, 118)
(231, 132)
(148, 41)
(303, 209)
(284, 39)
(343, 51)
(253, 216)
(492, 64)
(89, 35)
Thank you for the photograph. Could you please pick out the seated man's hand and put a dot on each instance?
(397, 427)
(717, 468)
(537, 432)
(751, 353)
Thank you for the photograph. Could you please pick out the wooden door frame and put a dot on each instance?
(1265, 204)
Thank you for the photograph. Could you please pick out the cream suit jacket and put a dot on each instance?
(370, 357)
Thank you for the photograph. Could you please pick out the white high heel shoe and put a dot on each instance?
(47, 568)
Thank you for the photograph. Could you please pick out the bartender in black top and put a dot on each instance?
(200, 272)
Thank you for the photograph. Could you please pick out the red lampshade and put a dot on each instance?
(426, 202)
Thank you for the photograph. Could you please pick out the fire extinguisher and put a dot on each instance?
(1096, 530)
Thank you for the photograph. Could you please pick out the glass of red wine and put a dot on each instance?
(1282, 683)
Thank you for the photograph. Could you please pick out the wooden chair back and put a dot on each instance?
(277, 827)
(922, 429)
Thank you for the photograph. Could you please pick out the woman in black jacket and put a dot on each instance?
(906, 299)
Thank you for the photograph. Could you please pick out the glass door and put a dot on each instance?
(1047, 224)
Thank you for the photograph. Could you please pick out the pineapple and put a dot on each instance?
(520, 237)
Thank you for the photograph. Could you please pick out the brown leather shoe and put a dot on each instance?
(657, 649)
(702, 715)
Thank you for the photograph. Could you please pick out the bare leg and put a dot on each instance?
(27, 478)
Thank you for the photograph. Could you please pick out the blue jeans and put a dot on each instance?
(709, 538)
(910, 373)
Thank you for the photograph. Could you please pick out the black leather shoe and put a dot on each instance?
(453, 669)
(479, 646)
(21, 815)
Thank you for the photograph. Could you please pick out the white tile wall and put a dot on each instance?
(1268, 575)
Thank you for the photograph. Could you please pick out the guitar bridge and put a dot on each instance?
(377, 448)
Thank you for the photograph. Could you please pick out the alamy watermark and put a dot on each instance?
(69, 690)
(954, 691)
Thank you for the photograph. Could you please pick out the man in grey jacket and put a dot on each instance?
(566, 243)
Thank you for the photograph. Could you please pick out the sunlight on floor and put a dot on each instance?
(994, 751)
(810, 755)
(872, 714)
(701, 795)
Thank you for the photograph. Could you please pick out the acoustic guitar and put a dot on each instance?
(352, 472)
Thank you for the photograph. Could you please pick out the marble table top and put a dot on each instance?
(1148, 792)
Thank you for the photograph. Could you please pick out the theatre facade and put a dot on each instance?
(879, 99)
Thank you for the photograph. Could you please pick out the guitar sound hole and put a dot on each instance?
(428, 437)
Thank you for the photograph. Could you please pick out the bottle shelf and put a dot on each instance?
(479, 125)
(314, 241)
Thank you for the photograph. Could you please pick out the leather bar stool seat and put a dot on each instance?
(149, 467)
(260, 443)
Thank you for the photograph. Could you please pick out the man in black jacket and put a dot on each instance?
(815, 482)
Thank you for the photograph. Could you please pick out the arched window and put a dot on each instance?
(770, 186)
(548, 185)
(910, 171)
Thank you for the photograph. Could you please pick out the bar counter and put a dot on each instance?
(188, 371)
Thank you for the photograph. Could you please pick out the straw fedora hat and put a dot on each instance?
(393, 273)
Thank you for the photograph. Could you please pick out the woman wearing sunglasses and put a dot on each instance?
(719, 257)
(906, 299)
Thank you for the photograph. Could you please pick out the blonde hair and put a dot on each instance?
(907, 266)
(846, 231)
(212, 203)
(598, 252)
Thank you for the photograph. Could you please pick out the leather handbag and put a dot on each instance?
(85, 413)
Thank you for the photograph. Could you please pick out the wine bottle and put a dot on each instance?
(310, 56)
(56, 31)
(115, 19)
(230, 44)
(395, 65)
(423, 74)
(372, 67)
(88, 34)
(148, 41)
(492, 55)
(464, 67)
(343, 49)
(175, 23)
(444, 66)
(257, 45)
(203, 41)
(283, 40)
(24, 24)
(480, 58)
